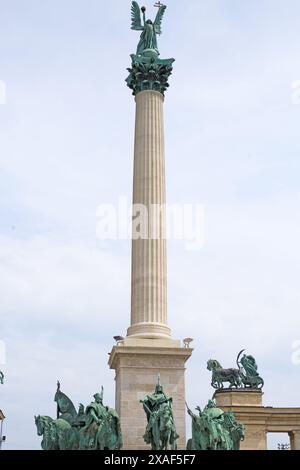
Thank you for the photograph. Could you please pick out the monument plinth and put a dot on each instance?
(148, 348)
(240, 397)
(136, 372)
(243, 403)
(259, 420)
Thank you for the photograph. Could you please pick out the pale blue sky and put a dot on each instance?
(66, 145)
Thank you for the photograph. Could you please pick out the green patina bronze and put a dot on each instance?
(214, 429)
(95, 428)
(221, 376)
(248, 368)
(148, 71)
(160, 431)
(246, 376)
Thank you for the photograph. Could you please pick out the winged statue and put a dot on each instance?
(148, 71)
(150, 30)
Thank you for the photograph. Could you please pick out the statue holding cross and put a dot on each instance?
(148, 71)
(150, 30)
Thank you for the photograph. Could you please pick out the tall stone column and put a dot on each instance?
(149, 265)
(148, 348)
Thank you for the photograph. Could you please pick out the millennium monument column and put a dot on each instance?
(148, 348)
(149, 266)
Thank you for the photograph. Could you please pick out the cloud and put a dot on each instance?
(62, 281)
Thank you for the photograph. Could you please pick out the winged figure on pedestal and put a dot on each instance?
(150, 30)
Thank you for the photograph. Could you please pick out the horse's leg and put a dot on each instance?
(99, 444)
(168, 440)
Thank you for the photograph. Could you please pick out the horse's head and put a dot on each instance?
(41, 423)
(213, 364)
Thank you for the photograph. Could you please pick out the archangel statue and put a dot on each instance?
(245, 376)
(148, 71)
(150, 30)
(214, 429)
(95, 428)
(160, 431)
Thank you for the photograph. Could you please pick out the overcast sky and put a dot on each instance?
(66, 146)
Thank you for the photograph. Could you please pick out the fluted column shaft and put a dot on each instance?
(149, 264)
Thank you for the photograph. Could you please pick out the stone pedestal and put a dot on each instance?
(258, 419)
(240, 397)
(247, 407)
(137, 363)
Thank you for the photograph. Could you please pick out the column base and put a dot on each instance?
(137, 366)
(149, 330)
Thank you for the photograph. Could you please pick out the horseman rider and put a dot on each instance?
(215, 421)
(96, 413)
(160, 429)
